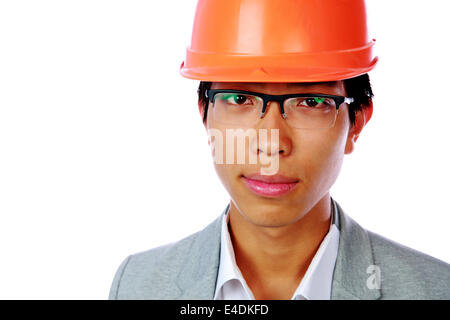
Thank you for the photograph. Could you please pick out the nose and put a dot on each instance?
(272, 120)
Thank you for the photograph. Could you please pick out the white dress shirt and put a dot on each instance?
(315, 284)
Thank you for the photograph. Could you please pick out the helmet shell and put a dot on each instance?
(279, 41)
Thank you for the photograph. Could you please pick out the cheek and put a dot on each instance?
(227, 168)
(321, 155)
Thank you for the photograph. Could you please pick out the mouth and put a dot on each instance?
(270, 186)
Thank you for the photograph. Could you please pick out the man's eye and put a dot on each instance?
(237, 99)
(314, 101)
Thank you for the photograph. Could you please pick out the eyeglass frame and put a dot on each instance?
(280, 98)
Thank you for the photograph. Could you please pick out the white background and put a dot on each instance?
(93, 167)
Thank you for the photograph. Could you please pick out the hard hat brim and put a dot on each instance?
(303, 67)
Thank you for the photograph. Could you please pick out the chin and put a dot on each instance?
(265, 215)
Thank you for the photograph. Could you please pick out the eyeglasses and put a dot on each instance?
(302, 111)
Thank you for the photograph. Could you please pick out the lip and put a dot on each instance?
(271, 186)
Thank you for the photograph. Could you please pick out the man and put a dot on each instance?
(288, 80)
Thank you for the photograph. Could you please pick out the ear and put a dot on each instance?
(201, 110)
(361, 118)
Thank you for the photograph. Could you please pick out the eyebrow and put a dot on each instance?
(301, 84)
(247, 86)
(311, 84)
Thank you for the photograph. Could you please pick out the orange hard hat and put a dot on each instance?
(279, 41)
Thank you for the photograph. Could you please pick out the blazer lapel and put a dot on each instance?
(350, 278)
(197, 279)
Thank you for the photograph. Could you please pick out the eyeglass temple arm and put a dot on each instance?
(349, 100)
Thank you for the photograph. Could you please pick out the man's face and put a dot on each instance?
(313, 157)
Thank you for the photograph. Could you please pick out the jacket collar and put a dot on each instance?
(198, 276)
(197, 279)
(353, 260)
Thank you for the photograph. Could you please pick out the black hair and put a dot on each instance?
(358, 88)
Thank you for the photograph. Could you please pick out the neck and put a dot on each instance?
(278, 253)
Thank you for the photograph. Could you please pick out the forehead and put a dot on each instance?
(332, 87)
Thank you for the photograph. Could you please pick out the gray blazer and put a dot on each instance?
(368, 266)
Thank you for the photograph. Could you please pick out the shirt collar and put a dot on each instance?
(316, 283)
(228, 269)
